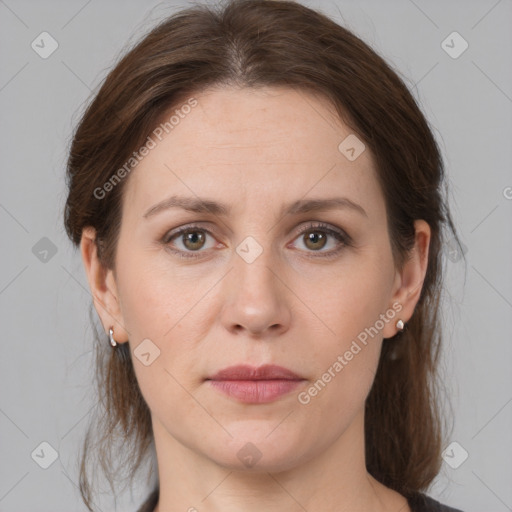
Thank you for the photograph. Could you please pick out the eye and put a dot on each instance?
(189, 240)
(315, 237)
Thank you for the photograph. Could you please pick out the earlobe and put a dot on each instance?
(412, 275)
(102, 286)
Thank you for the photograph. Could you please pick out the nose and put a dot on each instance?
(257, 299)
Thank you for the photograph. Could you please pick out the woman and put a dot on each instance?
(258, 201)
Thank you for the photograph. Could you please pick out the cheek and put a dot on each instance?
(153, 296)
(346, 355)
(351, 300)
(165, 316)
(344, 364)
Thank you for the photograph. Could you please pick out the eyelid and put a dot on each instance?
(320, 225)
(187, 227)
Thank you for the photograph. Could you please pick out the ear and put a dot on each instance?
(103, 287)
(409, 280)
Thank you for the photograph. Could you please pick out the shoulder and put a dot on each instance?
(420, 502)
(150, 502)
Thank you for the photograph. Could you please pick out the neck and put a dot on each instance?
(334, 479)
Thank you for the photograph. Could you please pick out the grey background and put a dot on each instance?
(46, 365)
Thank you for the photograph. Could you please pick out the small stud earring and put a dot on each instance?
(400, 325)
(113, 342)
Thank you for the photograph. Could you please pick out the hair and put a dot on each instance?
(256, 43)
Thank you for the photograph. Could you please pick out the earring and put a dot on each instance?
(113, 342)
(400, 325)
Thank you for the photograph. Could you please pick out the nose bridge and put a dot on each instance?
(253, 263)
(256, 301)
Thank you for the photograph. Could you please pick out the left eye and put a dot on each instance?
(315, 238)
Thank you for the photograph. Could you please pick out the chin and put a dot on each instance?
(259, 449)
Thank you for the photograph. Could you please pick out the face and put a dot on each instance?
(257, 278)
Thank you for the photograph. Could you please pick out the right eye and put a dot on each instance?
(189, 240)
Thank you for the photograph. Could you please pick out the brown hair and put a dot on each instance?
(251, 43)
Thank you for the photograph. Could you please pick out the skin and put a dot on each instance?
(256, 150)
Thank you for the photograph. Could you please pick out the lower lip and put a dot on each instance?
(255, 391)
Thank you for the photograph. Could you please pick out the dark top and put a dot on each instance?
(418, 503)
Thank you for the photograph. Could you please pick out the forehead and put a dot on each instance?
(265, 143)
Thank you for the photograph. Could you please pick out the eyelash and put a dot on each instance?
(341, 236)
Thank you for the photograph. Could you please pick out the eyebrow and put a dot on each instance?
(203, 205)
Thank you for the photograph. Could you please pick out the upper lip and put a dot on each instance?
(247, 372)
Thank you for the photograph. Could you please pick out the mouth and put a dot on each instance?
(255, 385)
